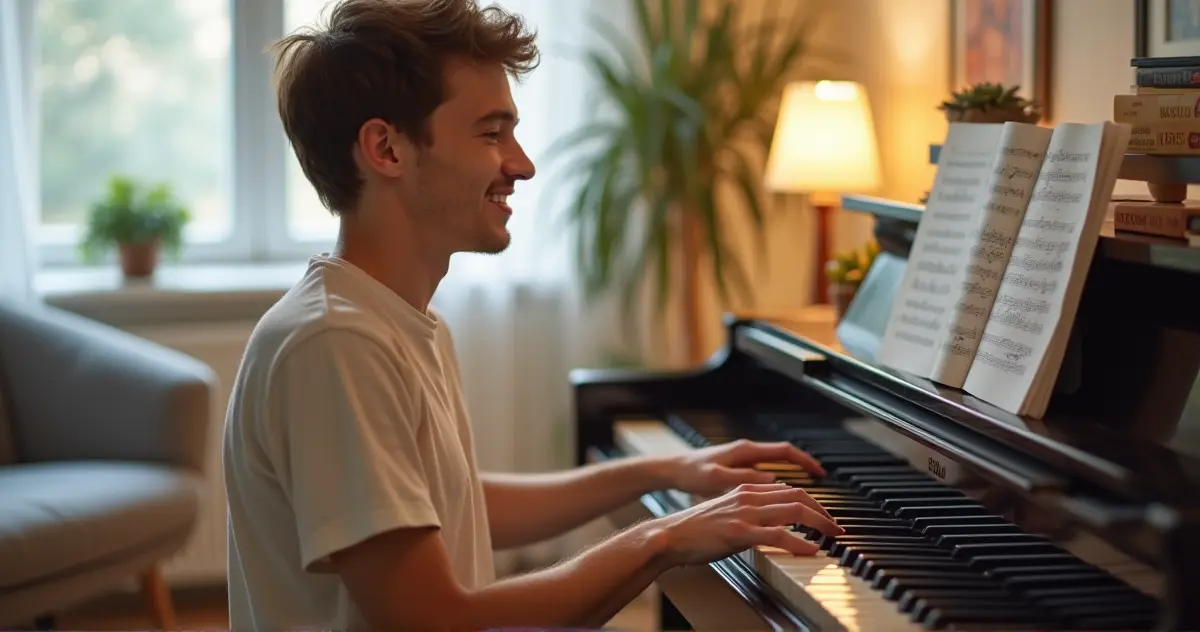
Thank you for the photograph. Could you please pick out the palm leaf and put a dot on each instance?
(691, 95)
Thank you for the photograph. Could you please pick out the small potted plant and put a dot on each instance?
(990, 103)
(138, 223)
(846, 271)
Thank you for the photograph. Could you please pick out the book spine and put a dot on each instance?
(1154, 220)
(1148, 90)
(1166, 137)
(1129, 108)
(1183, 77)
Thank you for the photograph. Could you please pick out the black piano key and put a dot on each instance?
(983, 562)
(983, 528)
(901, 483)
(896, 503)
(846, 472)
(1029, 577)
(873, 522)
(841, 544)
(942, 511)
(1005, 618)
(918, 605)
(897, 577)
(868, 567)
(987, 519)
(1119, 590)
(849, 504)
(969, 551)
(850, 554)
(956, 539)
(854, 512)
(910, 477)
(854, 460)
(895, 590)
(1103, 610)
(839, 492)
(1142, 621)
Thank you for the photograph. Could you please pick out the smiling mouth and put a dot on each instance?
(498, 199)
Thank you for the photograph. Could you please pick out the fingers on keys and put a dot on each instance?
(776, 505)
(788, 540)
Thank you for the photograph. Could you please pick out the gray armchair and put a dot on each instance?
(102, 450)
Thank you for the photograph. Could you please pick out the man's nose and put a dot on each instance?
(518, 165)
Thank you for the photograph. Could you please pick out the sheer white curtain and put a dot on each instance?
(18, 160)
(518, 321)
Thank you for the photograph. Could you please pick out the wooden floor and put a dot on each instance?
(205, 609)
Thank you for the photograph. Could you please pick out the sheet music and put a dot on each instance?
(940, 249)
(1010, 187)
(1030, 297)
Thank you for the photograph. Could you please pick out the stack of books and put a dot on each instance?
(1163, 112)
(1164, 109)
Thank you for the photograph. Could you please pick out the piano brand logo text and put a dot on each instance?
(936, 468)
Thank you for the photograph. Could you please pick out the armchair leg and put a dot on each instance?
(158, 598)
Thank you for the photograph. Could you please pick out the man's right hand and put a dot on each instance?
(749, 516)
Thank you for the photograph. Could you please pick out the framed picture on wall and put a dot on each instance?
(1167, 28)
(1002, 41)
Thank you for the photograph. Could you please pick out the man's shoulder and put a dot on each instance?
(315, 312)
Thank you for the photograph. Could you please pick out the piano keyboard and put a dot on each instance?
(917, 553)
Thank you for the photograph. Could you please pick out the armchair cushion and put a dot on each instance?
(60, 519)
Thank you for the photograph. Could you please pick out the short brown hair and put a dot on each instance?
(381, 59)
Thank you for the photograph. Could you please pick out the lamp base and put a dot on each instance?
(824, 251)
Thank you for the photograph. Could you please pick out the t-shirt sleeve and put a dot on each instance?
(348, 456)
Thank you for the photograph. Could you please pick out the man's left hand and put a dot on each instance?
(712, 471)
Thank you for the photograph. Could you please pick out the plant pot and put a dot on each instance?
(993, 116)
(840, 294)
(139, 260)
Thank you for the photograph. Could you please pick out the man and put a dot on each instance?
(354, 499)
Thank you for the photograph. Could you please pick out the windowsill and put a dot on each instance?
(176, 293)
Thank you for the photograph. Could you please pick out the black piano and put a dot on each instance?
(958, 515)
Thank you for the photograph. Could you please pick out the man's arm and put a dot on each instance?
(402, 579)
(528, 508)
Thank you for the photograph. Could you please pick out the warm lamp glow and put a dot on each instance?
(824, 140)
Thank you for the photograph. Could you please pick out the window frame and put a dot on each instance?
(257, 187)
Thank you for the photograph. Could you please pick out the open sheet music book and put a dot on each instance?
(1000, 257)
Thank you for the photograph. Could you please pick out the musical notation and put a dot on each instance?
(931, 287)
(982, 290)
(970, 309)
(925, 306)
(1023, 319)
(1036, 284)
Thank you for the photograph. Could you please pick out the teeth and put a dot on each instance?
(499, 199)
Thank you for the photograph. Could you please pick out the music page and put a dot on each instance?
(940, 248)
(1029, 300)
(1010, 187)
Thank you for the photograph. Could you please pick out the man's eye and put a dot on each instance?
(495, 135)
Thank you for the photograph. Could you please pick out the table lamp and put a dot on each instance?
(823, 146)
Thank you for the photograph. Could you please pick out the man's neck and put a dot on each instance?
(396, 257)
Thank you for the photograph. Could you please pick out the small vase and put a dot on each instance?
(840, 294)
(992, 116)
(139, 260)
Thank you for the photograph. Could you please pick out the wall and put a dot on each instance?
(901, 52)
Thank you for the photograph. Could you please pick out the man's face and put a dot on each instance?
(460, 185)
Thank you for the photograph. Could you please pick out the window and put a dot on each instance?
(176, 91)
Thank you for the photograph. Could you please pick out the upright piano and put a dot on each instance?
(958, 515)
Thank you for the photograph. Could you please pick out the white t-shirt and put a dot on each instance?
(346, 420)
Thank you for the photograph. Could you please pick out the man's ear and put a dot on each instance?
(382, 148)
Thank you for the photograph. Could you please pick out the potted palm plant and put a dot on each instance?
(137, 221)
(695, 100)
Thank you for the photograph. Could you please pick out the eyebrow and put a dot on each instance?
(499, 115)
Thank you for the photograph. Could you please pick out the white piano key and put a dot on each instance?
(814, 587)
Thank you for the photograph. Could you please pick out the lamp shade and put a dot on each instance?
(824, 140)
